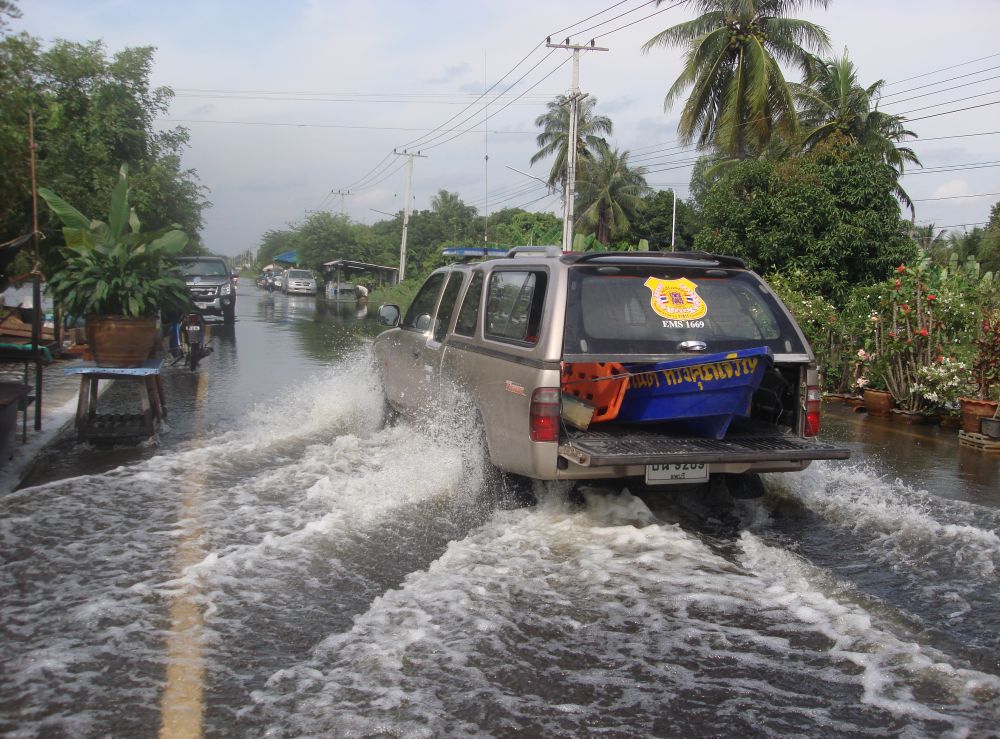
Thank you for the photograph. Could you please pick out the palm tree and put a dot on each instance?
(610, 193)
(831, 101)
(739, 98)
(555, 135)
(928, 237)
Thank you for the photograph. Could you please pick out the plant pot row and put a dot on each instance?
(977, 416)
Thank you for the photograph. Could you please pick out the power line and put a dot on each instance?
(953, 168)
(941, 82)
(942, 69)
(330, 125)
(949, 112)
(938, 92)
(955, 197)
(492, 114)
(640, 20)
(949, 102)
(955, 225)
(590, 17)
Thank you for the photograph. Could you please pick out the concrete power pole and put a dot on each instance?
(574, 99)
(406, 207)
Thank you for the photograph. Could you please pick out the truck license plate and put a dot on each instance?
(666, 474)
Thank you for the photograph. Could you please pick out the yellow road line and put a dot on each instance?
(182, 706)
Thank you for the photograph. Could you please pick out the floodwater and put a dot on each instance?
(280, 564)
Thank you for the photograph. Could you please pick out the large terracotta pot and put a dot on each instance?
(117, 341)
(879, 403)
(974, 409)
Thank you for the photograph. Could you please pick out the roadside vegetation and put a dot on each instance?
(797, 172)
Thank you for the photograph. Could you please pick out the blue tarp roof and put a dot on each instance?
(291, 257)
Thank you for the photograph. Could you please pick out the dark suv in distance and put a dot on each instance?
(210, 286)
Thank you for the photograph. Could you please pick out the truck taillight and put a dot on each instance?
(814, 397)
(544, 414)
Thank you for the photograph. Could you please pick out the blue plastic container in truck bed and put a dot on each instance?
(704, 392)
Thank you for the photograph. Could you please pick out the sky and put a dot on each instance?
(295, 107)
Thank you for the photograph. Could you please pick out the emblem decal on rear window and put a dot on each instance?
(676, 300)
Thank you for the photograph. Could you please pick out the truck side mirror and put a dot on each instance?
(388, 315)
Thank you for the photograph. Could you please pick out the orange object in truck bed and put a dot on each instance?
(600, 384)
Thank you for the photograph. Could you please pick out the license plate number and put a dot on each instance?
(192, 329)
(666, 474)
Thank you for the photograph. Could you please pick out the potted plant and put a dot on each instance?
(876, 400)
(985, 376)
(117, 277)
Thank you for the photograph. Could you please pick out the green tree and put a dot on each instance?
(988, 253)
(459, 218)
(928, 237)
(554, 138)
(832, 214)
(655, 222)
(609, 194)
(92, 114)
(8, 9)
(833, 102)
(739, 97)
(516, 227)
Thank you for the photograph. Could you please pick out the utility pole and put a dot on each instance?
(342, 194)
(673, 223)
(574, 98)
(406, 207)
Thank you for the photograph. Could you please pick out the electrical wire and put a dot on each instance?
(941, 82)
(942, 69)
(956, 197)
(949, 112)
(948, 102)
(949, 89)
(954, 168)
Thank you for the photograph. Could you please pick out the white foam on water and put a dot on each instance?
(564, 621)
(88, 570)
(895, 667)
(944, 554)
(909, 524)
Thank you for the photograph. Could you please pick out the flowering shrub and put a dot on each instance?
(920, 317)
(941, 384)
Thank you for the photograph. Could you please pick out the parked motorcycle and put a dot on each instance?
(189, 341)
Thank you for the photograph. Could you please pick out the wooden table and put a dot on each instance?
(90, 426)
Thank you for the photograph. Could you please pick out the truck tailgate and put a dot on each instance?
(598, 449)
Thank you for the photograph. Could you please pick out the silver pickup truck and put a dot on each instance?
(612, 365)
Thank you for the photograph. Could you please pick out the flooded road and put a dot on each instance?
(280, 564)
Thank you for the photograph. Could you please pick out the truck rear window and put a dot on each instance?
(644, 310)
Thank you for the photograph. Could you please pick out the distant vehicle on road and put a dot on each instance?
(210, 286)
(299, 282)
(279, 279)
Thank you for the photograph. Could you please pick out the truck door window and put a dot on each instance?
(514, 306)
(447, 306)
(468, 316)
(418, 317)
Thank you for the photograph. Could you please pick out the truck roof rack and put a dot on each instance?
(681, 258)
(548, 250)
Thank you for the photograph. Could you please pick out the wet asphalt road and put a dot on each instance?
(280, 564)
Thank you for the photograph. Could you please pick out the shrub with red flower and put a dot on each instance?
(921, 314)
